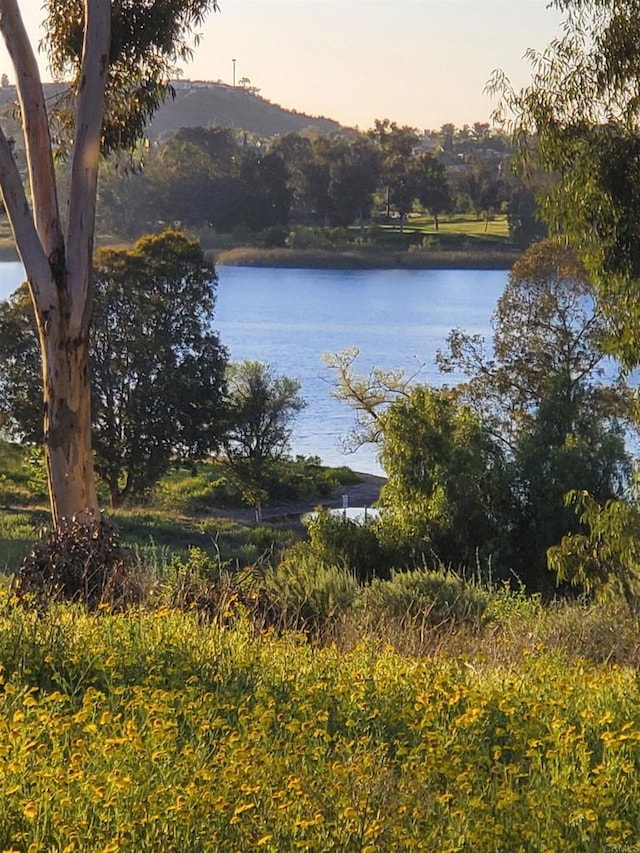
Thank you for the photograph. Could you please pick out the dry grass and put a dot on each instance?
(367, 259)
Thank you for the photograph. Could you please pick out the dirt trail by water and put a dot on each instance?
(361, 494)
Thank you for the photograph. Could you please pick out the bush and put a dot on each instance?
(83, 561)
(422, 597)
(304, 237)
(220, 596)
(339, 541)
(194, 491)
(311, 594)
(275, 237)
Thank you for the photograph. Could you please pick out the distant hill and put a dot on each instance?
(200, 104)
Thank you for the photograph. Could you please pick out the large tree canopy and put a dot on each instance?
(125, 49)
(157, 366)
(579, 119)
(547, 341)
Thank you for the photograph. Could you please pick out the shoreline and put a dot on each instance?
(365, 260)
(347, 259)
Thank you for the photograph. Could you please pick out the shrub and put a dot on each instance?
(304, 237)
(83, 561)
(220, 596)
(310, 593)
(340, 541)
(275, 237)
(422, 597)
(194, 492)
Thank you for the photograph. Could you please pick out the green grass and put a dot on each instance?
(18, 529)
(185, 511)
(464, 234)
(236, 544)
(497, 226)
(158, 536)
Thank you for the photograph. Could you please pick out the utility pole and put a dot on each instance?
(234, 71)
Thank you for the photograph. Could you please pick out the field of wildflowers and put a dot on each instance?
(151, 731)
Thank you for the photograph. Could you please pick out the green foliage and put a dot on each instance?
(568, 448)
(23, 477)
(444, 475)
(148, 41)
(543, 396)
(157, 369)
(207, 485)
(260, 409)
(199, 564)
(192, 490)
(339, 541)
(218, 593)
(224, 540)
(512, 607)
(579, 120)
(311, 594)
(545, 326)
(310, 191)
(421, 598)
(18, 529)
(526, 225)
(306, 237)
(20, 377)
(153, 402)
(604, 561)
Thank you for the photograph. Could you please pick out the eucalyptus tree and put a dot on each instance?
(545, 394)
(548, 333)
(118, 58)
(579, 120)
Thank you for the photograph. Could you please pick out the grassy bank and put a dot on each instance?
(366, 259)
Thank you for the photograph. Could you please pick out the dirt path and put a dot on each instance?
(363, 493)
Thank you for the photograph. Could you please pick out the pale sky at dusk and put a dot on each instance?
(417, 62)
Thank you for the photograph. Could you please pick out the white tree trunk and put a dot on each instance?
(58, 267)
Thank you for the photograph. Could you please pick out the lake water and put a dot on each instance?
(289, 318)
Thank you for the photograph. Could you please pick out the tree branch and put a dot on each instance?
(86, 156)
(30, 248)
(36, 130)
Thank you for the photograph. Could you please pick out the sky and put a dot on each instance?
(416, 62)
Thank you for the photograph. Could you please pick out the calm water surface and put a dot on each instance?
(289, 318)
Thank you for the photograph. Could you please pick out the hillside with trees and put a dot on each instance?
(309, 190)
(202, 103)
(207, 104)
